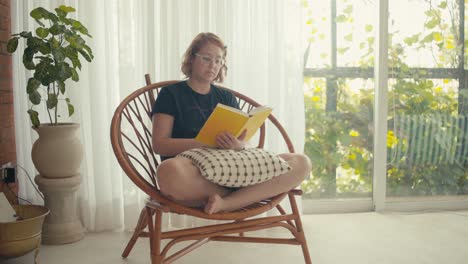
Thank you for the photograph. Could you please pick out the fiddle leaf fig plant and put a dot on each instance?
(53, 54)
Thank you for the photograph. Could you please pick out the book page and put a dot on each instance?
(259, 109)
(232, 109)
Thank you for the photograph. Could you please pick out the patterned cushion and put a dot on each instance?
(232, 168)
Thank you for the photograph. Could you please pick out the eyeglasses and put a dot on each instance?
(207, 60)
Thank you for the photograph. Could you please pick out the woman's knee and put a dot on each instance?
(302, 166)
(168, 176)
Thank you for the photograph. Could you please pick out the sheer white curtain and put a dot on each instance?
(131, 38)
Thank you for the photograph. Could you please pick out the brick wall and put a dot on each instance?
(7, 129)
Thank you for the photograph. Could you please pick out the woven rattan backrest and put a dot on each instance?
(131, 133)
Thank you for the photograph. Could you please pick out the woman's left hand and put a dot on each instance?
(226, 140)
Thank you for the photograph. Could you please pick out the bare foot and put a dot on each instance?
(214, 204)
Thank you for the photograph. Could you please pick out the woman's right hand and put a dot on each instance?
(226, 140)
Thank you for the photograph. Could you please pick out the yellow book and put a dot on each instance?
(226, 118)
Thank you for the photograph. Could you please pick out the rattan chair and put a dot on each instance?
(131, 142)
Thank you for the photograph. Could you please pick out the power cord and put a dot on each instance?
(30, 180)
(15, 167)
(16, 196)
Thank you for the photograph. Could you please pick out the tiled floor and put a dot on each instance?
(429, 238)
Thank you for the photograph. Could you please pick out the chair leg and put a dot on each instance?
(305, 249)
(141, 224)
(155, 238)
(300, 230)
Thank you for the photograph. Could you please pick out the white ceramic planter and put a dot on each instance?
(58, 152)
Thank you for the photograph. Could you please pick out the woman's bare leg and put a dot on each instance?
(301, 167)
(182, 182)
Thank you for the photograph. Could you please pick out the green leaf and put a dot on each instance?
(340, 19)
(42, 32)
(63, 71)
(45, 72)
(411, 40)
(32, 86)
(59, 55)
(12, 45)
(342, 50)
(76, 62)
(60, 13)
(25, 34)
(70, 52)
(362, 45)
(28, 56)
(349, 37)
(54, 43)
(90, 52)
(39, 13)
(61, 86)
(67, 9)
(67, 70)
(369, 28)
(76, 41)
(52, 17)
(428, 38)
(76, 25)
(75, 76)
(34, 116)
(57, 29)
(67, 21)
(32, 43)
(85, 55)
(35, 97)
(44, 48)
(51, 101)
(348, 9)
(432, 23)
(71, 108)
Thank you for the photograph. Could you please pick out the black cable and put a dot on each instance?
(30, 180)
(17, 197)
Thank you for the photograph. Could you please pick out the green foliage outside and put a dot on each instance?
(339, 142)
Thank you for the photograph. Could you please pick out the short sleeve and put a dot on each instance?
(165, 103)
(231, 100)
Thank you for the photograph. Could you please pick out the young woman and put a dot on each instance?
(179, 113)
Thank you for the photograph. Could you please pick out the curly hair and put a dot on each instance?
(197, 43)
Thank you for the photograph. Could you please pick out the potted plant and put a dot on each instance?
(53, 54)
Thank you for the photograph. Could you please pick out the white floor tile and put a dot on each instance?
(427, 238)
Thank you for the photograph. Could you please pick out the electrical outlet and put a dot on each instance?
(8, 173)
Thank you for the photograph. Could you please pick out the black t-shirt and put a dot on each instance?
(189, 108)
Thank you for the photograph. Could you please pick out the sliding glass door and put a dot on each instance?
(427, 121)
(425, 100)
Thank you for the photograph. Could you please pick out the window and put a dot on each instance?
(427, 123)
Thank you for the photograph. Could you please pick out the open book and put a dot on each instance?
(226, 118)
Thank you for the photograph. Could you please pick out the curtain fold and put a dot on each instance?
(131, 38)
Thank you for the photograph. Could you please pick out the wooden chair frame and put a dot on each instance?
(131, 142)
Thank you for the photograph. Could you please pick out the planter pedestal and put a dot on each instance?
(57, 155)
(62, 225)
